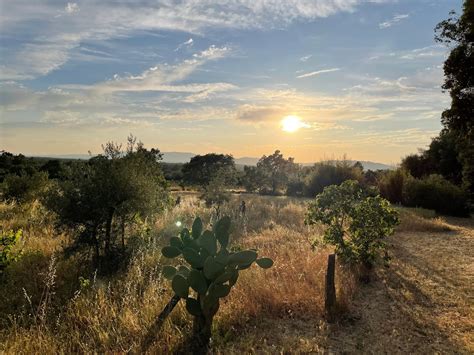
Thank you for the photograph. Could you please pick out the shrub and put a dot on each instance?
(328, 173)
(211, 273)
(436, 193)
(391, 185)
(24, 188)
(357, 224)
(8, 241)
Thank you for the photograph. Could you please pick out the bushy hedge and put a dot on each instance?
(436, 193)
(391, 185)
(327, 174)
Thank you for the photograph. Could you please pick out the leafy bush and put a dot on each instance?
(25, 188)
(330, 173)
(357, 224)
(8, 241)
(101, 199)
(436, 193)
(211, 273)
(391, 185)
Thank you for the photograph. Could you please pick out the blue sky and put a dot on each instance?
(363, 76)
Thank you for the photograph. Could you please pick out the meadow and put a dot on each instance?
(422, 302)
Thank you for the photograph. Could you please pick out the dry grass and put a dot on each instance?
(419, 220)
(269, 311)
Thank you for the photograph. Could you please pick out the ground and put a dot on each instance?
(422, 303)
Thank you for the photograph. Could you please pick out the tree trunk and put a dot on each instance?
(108, 231)
(123, 232)
(202, 327)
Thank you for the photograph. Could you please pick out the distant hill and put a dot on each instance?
(184, 157)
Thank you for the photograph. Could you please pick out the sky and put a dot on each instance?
(364, 77)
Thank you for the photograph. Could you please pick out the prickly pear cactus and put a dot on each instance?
(211, 273)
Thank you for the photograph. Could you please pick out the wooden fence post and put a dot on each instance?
(330, 295)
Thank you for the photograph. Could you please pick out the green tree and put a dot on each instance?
(330, 173)
(202, 169)
(356, 224)
(275, 171)
(103, 196)
(458, 34)
(251, 179)
(24, 188)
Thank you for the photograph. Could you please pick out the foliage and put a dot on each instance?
(211, 273)
(202, 169)
(458, 34)
(215, 194)
(442, 157)
(252, 178)
(330, 173)
(391, 184)
(101, 198)
(8, 241)
(274, 172)
(11, 164)
(24, 188)
(357, 224)
(435, 192)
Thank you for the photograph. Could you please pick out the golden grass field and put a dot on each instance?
(422, 303)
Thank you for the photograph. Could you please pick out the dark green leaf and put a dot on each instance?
(170, 252)
(180, 286)
(264, 263)
(197, 228)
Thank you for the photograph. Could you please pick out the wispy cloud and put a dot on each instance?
(71, 7)
(318, 72)
(188, 43)
(49, 40)
(305, 58)
(395, 19)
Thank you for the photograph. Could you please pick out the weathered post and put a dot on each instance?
(330, 296)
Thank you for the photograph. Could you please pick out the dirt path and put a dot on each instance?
(424, 303)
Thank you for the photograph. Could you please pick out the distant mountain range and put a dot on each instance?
(184, 157)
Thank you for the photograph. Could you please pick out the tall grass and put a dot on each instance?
(53, 304)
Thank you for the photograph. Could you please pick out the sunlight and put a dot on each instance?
(291, 124)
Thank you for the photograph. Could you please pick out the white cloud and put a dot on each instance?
(305, 58)
(106, 19)
(313, 73)
(71, 7)
(188, 43)
(395, 19)
(163, 77)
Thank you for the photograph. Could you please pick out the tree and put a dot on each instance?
(24, 188)
(202, 169)
(330, 173)
(458, 34)
(251, 179)
(100, 198)
(356, 224)
(275, 172)
(215, 194)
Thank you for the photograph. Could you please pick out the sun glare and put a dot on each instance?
(291, 124)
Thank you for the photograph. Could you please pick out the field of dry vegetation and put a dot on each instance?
(422, 303)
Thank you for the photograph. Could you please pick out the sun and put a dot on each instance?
(291, 124)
